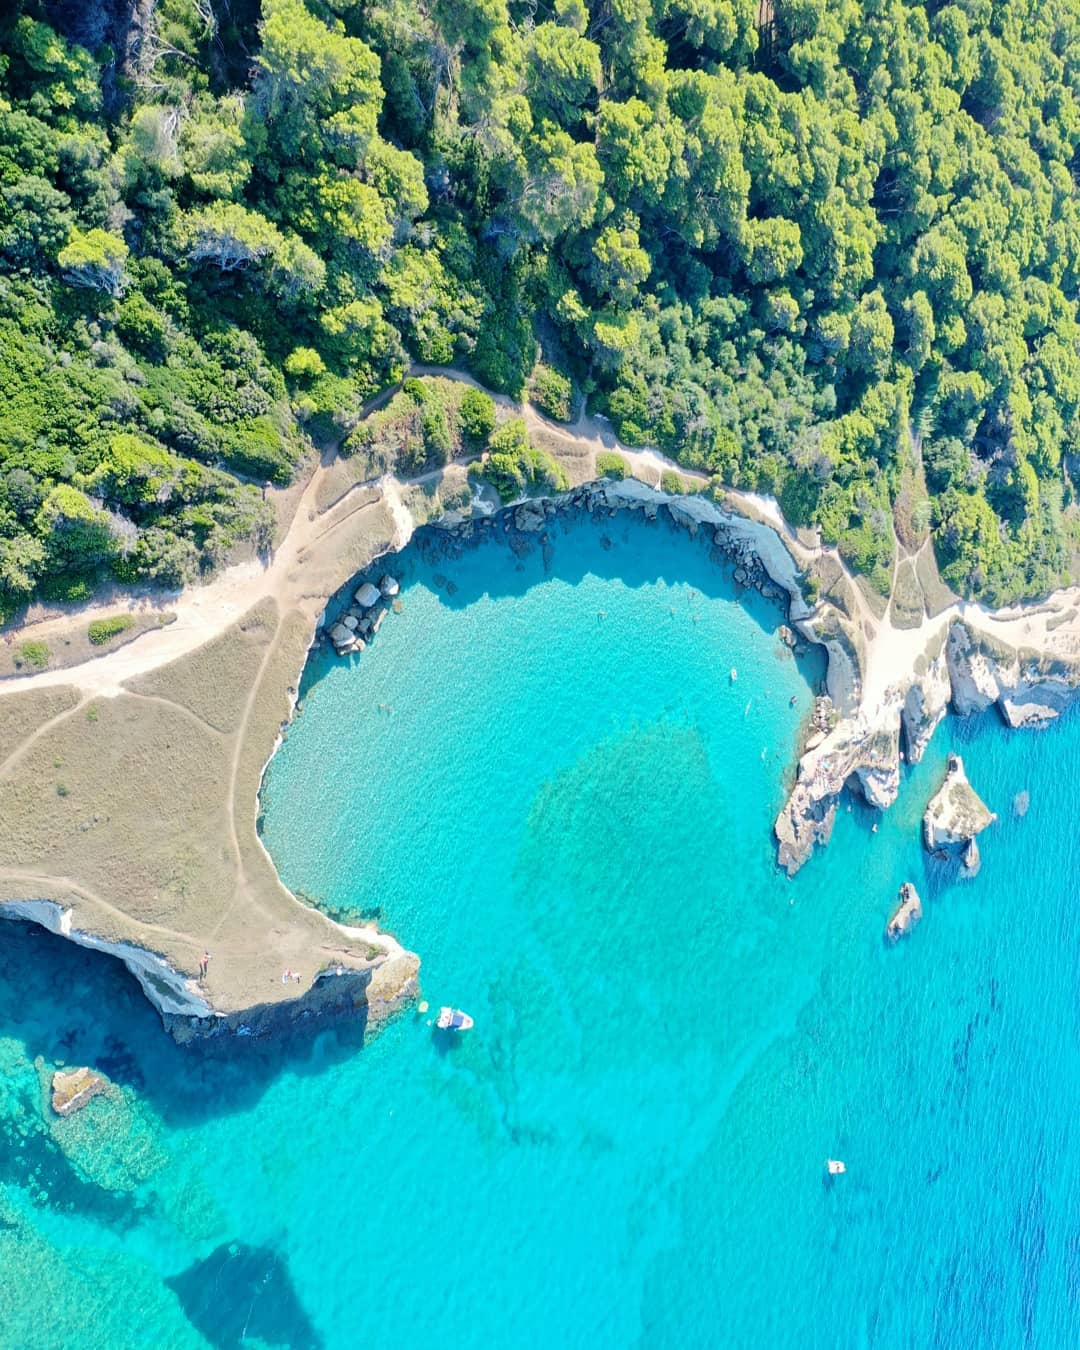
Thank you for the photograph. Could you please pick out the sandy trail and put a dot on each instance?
(202, 613)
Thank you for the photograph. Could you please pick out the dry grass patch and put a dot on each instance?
(907, 609)
(936, 595)
(215, 680)
(70, 644)
(129, 806)
(23, 713)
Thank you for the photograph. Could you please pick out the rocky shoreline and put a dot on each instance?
(967, 671)
(887, 688)
(851, 743)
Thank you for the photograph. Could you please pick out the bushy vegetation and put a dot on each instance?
(672, 483)
(610, 464)
(421, 428)
(552, 393)
(34, 654)
(809, 247)
(102, 630)
(476, 417)
(515, 468)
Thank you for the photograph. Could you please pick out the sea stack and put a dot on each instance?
(955, 815)
(907, 914)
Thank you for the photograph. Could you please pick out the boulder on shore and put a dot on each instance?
(367, 595)
(73, 1088)
(529, 517)
(956, 813)
(388, 587)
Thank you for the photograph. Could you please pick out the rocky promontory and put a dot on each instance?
(962, 667)
(955, 815)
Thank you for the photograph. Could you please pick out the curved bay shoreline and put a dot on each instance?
(156, 877)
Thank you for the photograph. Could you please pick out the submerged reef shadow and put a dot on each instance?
(111, 1026)
(239, 1293)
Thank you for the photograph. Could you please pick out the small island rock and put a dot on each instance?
(73, 1088)
(956, 814)
(907, 914)
(367, 595)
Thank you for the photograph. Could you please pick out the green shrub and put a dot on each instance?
(673, 483)
(101, 630)
(438, 445)
(610, 464)
(552, 393)
(304, 363)
(515, 467)
(477, 418)
(34, 654)
(67, 588)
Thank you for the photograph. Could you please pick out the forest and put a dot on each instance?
(824, 249)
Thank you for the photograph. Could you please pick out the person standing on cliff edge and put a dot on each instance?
(203, 965)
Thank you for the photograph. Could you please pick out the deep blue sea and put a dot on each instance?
(542, 778)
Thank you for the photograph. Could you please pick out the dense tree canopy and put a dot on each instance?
(828, 249)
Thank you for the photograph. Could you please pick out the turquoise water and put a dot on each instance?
(568, 816)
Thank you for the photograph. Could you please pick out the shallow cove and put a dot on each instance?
(568, 817)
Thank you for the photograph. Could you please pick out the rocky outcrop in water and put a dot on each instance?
(956, 813)
(357, 625)
(862, 752)
(855, 753)
(906, 915)
(73, 1088)
(367, 595)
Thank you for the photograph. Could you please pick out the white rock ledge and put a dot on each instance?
(171, 993)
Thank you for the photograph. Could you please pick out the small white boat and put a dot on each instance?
(835, 1167)
(734, 674)
(453, 1019)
